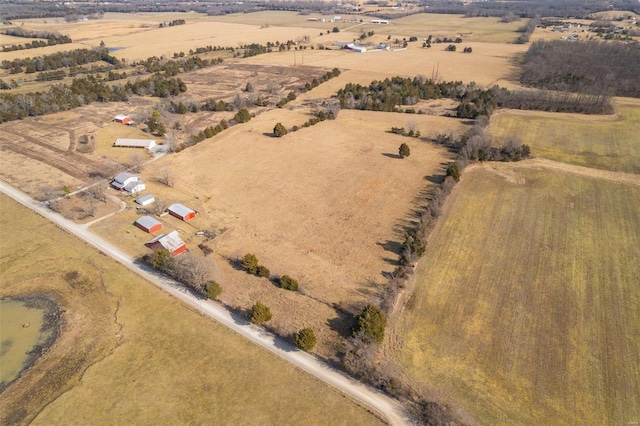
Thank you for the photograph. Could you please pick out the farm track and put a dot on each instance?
(541, 163)
(69, 162)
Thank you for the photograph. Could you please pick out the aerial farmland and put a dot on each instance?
(400, 196)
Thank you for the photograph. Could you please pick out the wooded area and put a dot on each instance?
(598, 68)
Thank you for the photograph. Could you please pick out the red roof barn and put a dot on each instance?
(170, 241)
(181, 212)
(148, 224)
(124, 119)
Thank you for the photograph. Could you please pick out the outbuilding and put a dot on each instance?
(135, 143)
(181, 212)
(146, 199)
(170, 241)
(355, 48)
(148, 224)
(124, 119)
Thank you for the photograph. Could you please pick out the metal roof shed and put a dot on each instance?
(148, 224)
(181, 212)
(170, 241)
(145, 200)
(135, 143)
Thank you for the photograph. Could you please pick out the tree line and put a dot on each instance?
(83, 91)
(58, 60)
(529, 8)
(388, 94)
(35, 44)
(593, 67)
(51, 39)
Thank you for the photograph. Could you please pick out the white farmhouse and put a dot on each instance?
(128, 182)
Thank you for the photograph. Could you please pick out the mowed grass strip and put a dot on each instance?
(148, 358)
(603, 142)
(527, 304)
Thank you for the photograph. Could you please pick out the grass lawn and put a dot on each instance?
(527, 304)
(130, 353)
(603, 142)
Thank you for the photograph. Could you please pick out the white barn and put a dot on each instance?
(135, 143)
(146, 199)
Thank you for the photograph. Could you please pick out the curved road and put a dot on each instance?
(387, 407)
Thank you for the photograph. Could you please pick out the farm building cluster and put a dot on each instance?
(132, 184)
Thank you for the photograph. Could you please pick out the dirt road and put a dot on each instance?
(556, 166)
(388, 408)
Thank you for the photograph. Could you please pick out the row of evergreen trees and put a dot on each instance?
(58, 60)
(386, 95)
(83, 91)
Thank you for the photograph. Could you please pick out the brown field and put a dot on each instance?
(542, 327)
(607, 142)
(525, 310)
(130, 351)
(488, 30)
(488, 64)
(305, 210)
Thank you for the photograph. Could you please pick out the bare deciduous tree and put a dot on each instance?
(136, 161)
(98, 192)
(167, 176)
(193, 271)
(159, 206)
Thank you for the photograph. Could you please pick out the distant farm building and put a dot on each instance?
(124, 119)
(128, 182)
(170, 241)
(135, 143)
(380, 21)
(315, 19)
(146, 199)
(181, 212)
(355, 48)
(148, 224)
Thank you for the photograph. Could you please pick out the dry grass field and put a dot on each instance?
(527, 305)
(604, 142)
(488, 64)
(478, 29)
(324, 205)
(128, 352)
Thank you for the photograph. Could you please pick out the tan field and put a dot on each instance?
(526, 308)
(489, 63)
(544, 326)
(608, 142)
(305, 210)
(130, 351)
(488, 30)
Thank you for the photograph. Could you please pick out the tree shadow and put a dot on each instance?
(269, 134)
(341, 324)
(235, 263)
(437, 179)
(394, 247)
(387, 154)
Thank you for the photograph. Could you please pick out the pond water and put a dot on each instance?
(19, 333)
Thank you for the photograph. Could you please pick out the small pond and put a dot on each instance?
(22, 336)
